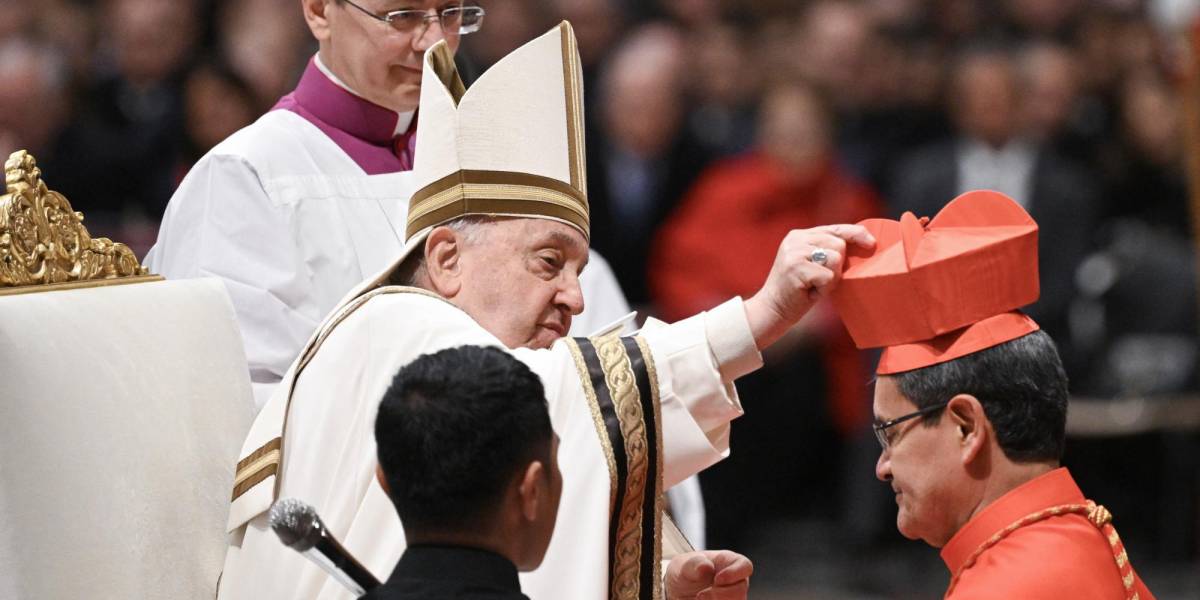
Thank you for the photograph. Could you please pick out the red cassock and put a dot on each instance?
(1042, 540)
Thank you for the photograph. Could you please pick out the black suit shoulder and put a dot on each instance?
(417, 589)
(427, 572)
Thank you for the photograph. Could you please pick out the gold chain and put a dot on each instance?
(1096, 515)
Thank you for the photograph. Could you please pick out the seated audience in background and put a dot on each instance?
(971, 406)
(468, 457)
(267, 44)
(217, 102)
(1138, 343)
(994, 149)
(1053, 88)
(791, 180)
(721, 242)
(133, 109)
(33, 103)
(641, 159)
(720, 116)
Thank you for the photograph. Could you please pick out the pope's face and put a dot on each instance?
(921, 463)
(378, 62)
(520, 280)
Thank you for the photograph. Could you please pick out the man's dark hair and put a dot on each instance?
(1021, 385)
(453, 430)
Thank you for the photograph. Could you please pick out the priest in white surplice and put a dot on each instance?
(496, 238)
(296, 209)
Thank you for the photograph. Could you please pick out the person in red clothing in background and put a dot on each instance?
(788, 181)
(721, 241)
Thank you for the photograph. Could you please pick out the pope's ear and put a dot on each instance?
(443, 261)
(966, 415)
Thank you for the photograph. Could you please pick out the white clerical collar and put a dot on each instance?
(403, 119)
(1007, 169)
(1012, 150)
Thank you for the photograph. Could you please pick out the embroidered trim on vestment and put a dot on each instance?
(598, 420)
(642, 364)
(471, 191)
(572, 80)
(626, 412)
(257, 466)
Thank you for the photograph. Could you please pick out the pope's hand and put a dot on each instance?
(797, 281)
(709, 575)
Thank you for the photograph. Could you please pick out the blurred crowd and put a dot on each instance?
(117, 98)
(713, 128)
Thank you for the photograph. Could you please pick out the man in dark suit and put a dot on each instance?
(641, 158)
(468, 457)
(990, 151)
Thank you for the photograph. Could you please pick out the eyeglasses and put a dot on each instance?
(881, 429)
(454, 19)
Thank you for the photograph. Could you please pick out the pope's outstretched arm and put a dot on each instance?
(694, 362)
(796, 282)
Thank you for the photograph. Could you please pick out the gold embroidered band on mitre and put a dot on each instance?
(472, 192)
(442, 58)
(516, 183)
(573, 88)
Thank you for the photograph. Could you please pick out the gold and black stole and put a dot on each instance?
(622, 389)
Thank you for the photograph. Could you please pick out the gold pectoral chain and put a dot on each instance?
(1096, 515)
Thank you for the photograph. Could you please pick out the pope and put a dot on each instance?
(496, 238)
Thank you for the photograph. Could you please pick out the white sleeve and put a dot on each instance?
(221, 223)
(696, 361)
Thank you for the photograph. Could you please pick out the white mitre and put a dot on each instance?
(512, 145)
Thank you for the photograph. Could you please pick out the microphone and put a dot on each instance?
(299, 528)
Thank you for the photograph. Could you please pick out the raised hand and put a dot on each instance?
(807, 267)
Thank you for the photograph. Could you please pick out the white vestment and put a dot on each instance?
(328, 449)
(604, 306)
(290, 223)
